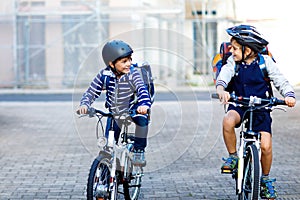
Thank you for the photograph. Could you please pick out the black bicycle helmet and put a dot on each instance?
(248, 35)
(114, 50)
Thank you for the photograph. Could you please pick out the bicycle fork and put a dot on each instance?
(241, 156)
(113, 180)
(240, 168)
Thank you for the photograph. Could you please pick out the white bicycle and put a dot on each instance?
(112, 174)
(247, 173)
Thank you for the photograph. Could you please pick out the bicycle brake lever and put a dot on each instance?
(235, 104)
(279, 108)
(80, 116)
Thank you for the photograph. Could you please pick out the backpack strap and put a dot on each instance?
(105, 78)
(105, 83)
(263, 68)
(130, 81)
(131, 77)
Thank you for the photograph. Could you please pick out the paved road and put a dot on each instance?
(46, 151)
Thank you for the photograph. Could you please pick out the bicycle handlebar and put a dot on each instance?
(93, 111)
(273, 101)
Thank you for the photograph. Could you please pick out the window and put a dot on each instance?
(31, 50)
(207, 45)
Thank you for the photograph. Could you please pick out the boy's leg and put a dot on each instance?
(117, 129)
(268, 189)
(262, 121)
(140, 140)
(141, 131)
(266, 152)
(230, 120)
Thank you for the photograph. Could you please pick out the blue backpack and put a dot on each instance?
(146, 75)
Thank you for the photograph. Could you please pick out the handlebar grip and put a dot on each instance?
(91, 112)
(215, 96)
(134, 112)
(279, 102)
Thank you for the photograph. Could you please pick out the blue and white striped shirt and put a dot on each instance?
(121, 94)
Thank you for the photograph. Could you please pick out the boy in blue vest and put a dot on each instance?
(122, 85)
(247, 81)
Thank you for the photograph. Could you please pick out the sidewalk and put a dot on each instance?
(46, 152)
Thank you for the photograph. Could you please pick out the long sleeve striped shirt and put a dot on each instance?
(121, 94)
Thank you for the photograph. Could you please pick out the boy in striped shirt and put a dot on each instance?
(125, 91)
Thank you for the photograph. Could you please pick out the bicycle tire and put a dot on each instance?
(132, 182)
(250, 188)
(99, 176)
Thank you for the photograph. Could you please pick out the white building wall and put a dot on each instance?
(128, 17)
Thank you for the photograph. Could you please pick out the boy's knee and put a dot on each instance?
(141, 121)
(266, 148)
(229, 122)
(231, 119)
(266, 142)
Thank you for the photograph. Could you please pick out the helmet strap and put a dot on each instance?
(243, 53)
(115, 71)
(250, 55)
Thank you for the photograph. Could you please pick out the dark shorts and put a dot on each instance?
(262, 120)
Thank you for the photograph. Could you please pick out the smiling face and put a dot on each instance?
(236, 50)
(122, 65)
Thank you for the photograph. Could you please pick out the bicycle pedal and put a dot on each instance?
(140, 164)
(265, 198)
(226, 171)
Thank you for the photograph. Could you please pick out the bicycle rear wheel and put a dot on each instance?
(99, 177)
(250, 189)
(132, 182)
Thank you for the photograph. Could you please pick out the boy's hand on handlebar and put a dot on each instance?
(290, 101)
(142, 109)
(82, 110)
(224, 96)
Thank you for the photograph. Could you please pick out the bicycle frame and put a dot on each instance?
(113, 166)
(120, 152)
(244, 143)
(249, 152)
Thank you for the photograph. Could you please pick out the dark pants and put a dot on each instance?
(141, 129)
(262, 119)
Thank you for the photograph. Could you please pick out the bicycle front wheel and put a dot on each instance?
(132, 182)
(250, 188)
(99, 178)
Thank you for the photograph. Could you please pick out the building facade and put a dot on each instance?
(52, 43)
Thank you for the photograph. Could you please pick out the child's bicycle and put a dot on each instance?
(247, 174)
(112, 174)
